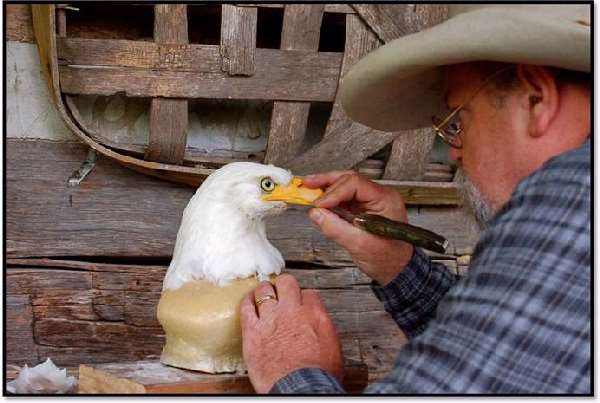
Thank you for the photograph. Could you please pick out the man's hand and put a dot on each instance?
(290, 333)
(379, 258)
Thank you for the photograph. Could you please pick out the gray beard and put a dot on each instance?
(473, 200)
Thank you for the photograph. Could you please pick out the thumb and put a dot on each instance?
(336, 229)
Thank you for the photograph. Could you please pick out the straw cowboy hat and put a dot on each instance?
(399, 85)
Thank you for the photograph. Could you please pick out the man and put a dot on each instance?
(516, 86)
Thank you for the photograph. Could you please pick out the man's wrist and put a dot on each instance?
(409, 282)
(384, 278)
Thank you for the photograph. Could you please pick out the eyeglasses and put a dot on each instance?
(450, 128)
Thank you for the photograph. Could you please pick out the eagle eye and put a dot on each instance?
(267, 184)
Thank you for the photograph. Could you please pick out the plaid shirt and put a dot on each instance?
(518, 322)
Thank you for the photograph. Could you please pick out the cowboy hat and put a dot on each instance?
(399, 85)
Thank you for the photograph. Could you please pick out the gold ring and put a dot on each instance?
(264, 298)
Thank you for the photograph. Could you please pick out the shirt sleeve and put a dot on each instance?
(413, 296)
(307, 381)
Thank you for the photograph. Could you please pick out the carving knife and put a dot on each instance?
(386, 228)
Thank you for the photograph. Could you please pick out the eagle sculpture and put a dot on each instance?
(221, 253)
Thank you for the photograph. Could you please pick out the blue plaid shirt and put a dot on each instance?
(518, 322)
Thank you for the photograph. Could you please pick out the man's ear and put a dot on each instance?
(541, 97)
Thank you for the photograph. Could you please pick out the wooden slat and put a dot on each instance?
(410, 150)
(168, 130)
(168, 117)
(301, 31)
(294, 76)
(238, 40)
(138, 54)
(391, 21)
(19, 25)
(409, 156)
(345, 142)
(116, 212)
(329, 8)
(170, 24)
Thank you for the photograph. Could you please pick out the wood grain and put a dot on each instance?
(61, 290)
(409, 155)
(301, 31)
(345, 143)
(19, 333)
(238, 40)
(19, 25)
(168, 130)
(291, 75)
(329, 8)
(168, 117)
(391, 21)
(116, 212)
(410, 150)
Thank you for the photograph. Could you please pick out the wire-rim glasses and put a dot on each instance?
(450, 128)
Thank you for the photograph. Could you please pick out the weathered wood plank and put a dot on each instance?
(138, 54)
(168, 130)
(345, 142)
(19, 330)
(300, 31)
(329, 8)
(238, 40)
(433, 172)
(391, 21)
(116, 212)
(170, 24)
(288, 75)
(70, 337)
(308, 80)
(19, 23)
(168, 117)
(409, 156)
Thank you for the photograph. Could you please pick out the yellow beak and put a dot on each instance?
(294, 193)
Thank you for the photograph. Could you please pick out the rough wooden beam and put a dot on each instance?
(301, 31)
(238, 40)
(19, 330)
(293, 76)
(168, 117)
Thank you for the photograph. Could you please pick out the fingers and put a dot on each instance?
(336, 229)
(248, 316)
(351, 187)
(312, 299)
(324, 179)
(263, 290)
(288, 290)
